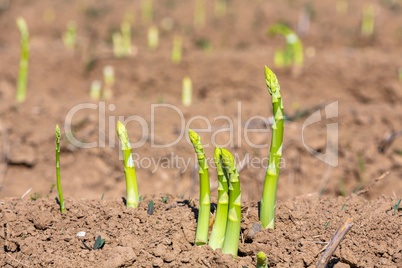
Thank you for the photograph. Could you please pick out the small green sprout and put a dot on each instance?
(103, 194)
(99, 242)
(326, 225)
(153, 37)
(293, 52)
(204, 209)
(23, 70)
(187, 91)
(268, 200)
(69, 37)
(396, 207)
(165, 198)
(62, 209)
(142, 198)
(262, 261)
(132, 199)
(150, 208)
(35, 196)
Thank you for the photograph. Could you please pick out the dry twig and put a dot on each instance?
(335, 241)
(365, 190)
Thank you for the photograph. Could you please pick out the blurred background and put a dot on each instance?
(321, 52)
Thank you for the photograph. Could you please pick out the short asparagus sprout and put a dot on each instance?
(367, 28)
(153, 37)
(262, 261)
(108, 77)
(199, 13)
(96, 87)
(69, 37)
(126, 35)
(293, 52)
(268, 200)
(118, 49)
(201, 236)
(218, 231)
(187, 91)
(62, 209)
(220, 8)
(232, 233)
(23, 70)
(147, 11)
(132, 199)
(122, 41)
(176, 50)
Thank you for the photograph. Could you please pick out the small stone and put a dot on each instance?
(255, 228)
(160, 250)
(158, 262)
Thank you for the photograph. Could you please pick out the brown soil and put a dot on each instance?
(358, 72)
(36, 234)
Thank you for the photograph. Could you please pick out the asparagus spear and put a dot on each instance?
(268, 200)
(62, 209)
(218, 231)
(232, 234)
(201, 236)
(23, 72)
(132, 199)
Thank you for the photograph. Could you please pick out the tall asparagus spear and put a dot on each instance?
(62, 209)
(201, 236)
(218, 231)
(232, 234)
(268, 201)
(23, 72)
(132, 199)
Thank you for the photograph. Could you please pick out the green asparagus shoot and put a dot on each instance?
(69, 37)
(126, 35)
(218, 231)
(147, 11)
(187, 91)
(132, 199)
(118, 49)
(268, 200)
(23, 71)
(293, 52)
(199, 13)
(204, 209)
(108, 77)
(367, 28)
(232, 233)
(176, 51)
(153, 37)
(220, 8)
(62, 209)
(95, 92)
(262, 261)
